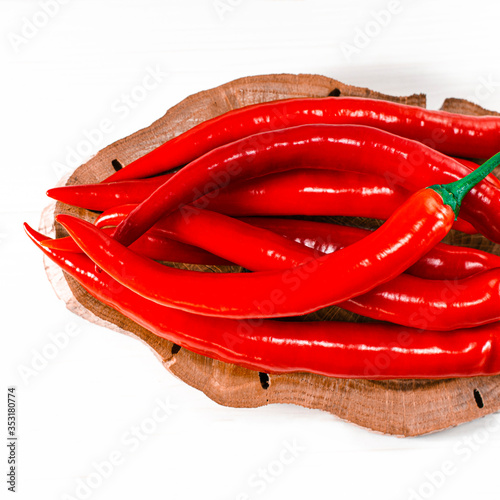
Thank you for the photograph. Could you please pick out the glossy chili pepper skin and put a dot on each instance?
(309, 192)
(443, 262)
(450, 133)
(294, 192)
(332, 349)
(314, 192)
(231, 238)
(103, 196)
(445, 303)
(436, 305)
(404, 162)
(249, 246)
(153, 245)
(106, 195)
(408, 300)
(418, 225)
(405, 300)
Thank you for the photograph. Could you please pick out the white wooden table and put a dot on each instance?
(98, 416)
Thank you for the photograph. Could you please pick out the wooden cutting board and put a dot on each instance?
(398, 407)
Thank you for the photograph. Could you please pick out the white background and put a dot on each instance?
(62, 79)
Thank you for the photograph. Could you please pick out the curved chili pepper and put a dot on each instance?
(352, 147)
(372, 261)
(316, 192)
(440, 263)
(103, 196)
(443, 262)
(309, 192)
(405, 300)
(294, 192)
(417, 226)
(209, 230)
(450, 133)
(313, 192)
(152, 245)
(333, 349)
(435, 305)
(230, 238)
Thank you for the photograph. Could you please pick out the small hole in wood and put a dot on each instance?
(116, 165)
(264, 380)
(478, 398)
(175, 348)
(334, 93)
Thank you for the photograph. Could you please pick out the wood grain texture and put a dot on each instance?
(398, 407)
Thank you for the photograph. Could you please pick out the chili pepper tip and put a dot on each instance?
(64, 219)
(69, 222)
(49, 243)
(51, 193)
(61, 194)
(35, 236)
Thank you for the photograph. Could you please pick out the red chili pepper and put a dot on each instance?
(154, 246)
(405, 300)
(333, 349)
(318, 192)
(450, 133)
(313, 192)
(372, 261)
(308, 192)
(103, 196)
(230, 238)
(299, 192)
(209, 230)
(443, 262)
(106, 195)
(417, 226)
(352, 147)
(435, 305)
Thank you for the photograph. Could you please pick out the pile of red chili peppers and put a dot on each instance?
(246, 189)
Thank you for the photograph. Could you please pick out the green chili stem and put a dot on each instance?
(454, 192)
